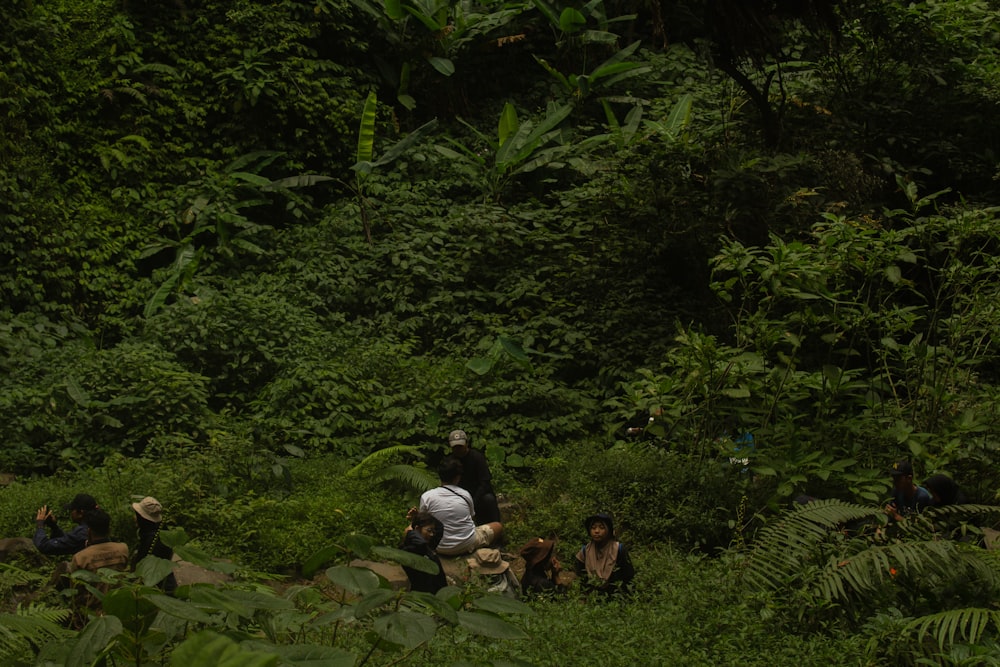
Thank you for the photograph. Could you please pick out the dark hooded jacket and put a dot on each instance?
(150, 545)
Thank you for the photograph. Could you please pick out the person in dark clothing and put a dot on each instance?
(422, 539)
(60, 543)
(907, 498)
(101, 551)
(944, 491)
(148, 521)
(476, 478)
(604, 563)
(541, 568)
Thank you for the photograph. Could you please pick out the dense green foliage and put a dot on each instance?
(246, 245)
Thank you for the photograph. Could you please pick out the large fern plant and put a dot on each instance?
(30, 626)
(384, 465)
(834, 555)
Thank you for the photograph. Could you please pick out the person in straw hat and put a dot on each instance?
(490, 565)
(148, 521)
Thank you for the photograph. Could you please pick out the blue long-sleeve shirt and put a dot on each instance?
(60, 543)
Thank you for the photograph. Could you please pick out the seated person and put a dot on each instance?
(476, 478)
(60, 543)
(604, 564)
(907, 498)
(100, 550)
(541, 567)
(453, 507)
(422, 537)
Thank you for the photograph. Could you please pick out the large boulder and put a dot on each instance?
(13, 545)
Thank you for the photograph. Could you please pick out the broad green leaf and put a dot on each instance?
(294, 450)
(488, 625)
(160, 296)
(443, 65)
(372, 601)
(307, 655)
(181, 609)
(432, 603)
(253, 179)
(480, 365)
(408, 629)
(175, 537)
(515, 351)
(508, 124)
(547, 10)
(501, 604)
(128, 604)
(209, 649)
(529, 139)
(429, 21)
(202, 559)
(300, 181)
(361, 545)
(405, 143)
(406, 558)
(216, 599)
(598, 37)
(608, 70)
(259, 599)
(366, 129)
(394, 9)
(680, 116)
(557, 74)
(356, 580)
(320, 558)
(152, 570)
(571, 19)
(97, 637)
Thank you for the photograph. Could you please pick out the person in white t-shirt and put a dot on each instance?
(453, 507)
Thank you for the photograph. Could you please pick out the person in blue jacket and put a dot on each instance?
(60, 543)
(604, 564)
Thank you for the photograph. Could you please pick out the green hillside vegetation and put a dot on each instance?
(259, 258)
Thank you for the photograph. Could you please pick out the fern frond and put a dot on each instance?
(12, 576)
(416, 478)
(867, 570)
(29, 629)
(134, 93)
(967, 624)
(786, 545)
(382, 456)
(159, 68)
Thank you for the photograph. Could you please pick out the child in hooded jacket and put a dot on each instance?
(604, 564)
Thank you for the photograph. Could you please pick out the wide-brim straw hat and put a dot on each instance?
(150, 509)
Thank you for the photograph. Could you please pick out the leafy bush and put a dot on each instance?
(657, 496)
(71, 406)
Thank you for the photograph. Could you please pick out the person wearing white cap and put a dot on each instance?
(148, 520)
(476, 478)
